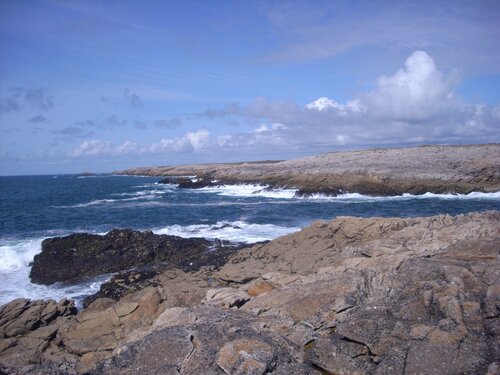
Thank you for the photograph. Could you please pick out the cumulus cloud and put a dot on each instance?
(416, 104)
(325, 104)
(98, 148)
(418, 91)
(191, 141)
(195, 142)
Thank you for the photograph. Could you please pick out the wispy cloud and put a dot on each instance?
(19, 97)
(168, 123)
(127, 98)
(467, 32)
(38, 119)
(108, 122)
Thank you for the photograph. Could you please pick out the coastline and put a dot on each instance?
(383, 294)
(350, 295)
(378, 172)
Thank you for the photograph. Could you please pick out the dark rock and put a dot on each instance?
(136, 279)
(188, 183)
(122, 284)
(78, 256)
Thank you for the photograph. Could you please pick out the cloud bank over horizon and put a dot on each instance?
(415, 105)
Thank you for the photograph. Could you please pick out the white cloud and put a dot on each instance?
(416, 104)
(326, 104)
(198, 140)
(418, 91)
(126, 147)
(262, 128)
(93, 147)
(190, 142)
(98, 148)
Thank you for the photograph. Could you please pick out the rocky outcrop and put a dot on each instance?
(78, 256)
(209, 341)
(29, 328)
(384, 295)
(416, 170)
(350, 296)
(188, 183)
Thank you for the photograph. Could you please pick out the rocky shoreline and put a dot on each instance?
(350, 296)
(383, 172)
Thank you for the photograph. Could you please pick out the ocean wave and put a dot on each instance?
(236, 231)
(99, 202)
(17, 254)
(248, 190)
(355, 197)
(140, 193)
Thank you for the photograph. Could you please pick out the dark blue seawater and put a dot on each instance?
(36, 207)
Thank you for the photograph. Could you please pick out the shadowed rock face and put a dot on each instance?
(350, 296)
(78, 256)
(417, 170)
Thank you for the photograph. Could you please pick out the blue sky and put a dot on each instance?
(105, 85)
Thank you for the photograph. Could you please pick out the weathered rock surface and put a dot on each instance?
(417, 170)
(209, 341)
(28, 328)
(351, 296)
(77, 256)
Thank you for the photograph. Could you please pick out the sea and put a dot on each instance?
(33, 208)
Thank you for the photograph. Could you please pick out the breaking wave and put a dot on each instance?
(236, 231)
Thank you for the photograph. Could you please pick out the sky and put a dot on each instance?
(99, 86)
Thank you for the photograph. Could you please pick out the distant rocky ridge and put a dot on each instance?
(416, 170)
(350, 296)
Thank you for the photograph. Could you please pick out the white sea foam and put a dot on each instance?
(249, 191)
(16, 255)
(98, 202)
(15, 259)
(140, 193)
(236, 231)
(355, 197)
